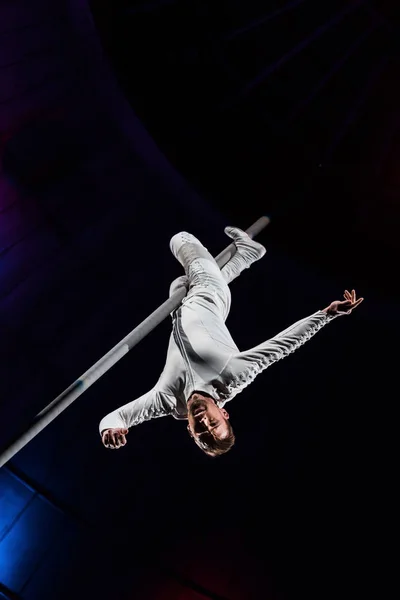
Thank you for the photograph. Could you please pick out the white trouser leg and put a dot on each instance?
(204, 276)
(247, 252)
(192, 255)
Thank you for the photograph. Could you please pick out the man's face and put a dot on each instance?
(206, 419)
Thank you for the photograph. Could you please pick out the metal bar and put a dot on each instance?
(50, 412)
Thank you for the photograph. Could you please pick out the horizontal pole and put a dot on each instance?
(50, 412)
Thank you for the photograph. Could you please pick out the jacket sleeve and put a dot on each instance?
(247, 365)
(146, 407)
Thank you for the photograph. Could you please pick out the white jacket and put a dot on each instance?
(211, 365)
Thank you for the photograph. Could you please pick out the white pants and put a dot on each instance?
(200, 321)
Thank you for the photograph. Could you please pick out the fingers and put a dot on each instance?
(352, 297)
(119, 439)
(351, 305)
(114, 438)
(108, 440)
(358, 302)
(345, 303)
(122, 436)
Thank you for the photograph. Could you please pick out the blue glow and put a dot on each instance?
(14, 499)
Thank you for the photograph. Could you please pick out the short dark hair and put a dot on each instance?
(214, 446)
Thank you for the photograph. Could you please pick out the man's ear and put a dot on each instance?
(189, 430)
(225, 413)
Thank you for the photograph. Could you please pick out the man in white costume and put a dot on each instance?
(204, 368)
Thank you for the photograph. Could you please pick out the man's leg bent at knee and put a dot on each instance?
(204, 276)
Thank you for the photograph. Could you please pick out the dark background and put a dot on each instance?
(122, 123)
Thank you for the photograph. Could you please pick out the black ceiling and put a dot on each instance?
(284, 108)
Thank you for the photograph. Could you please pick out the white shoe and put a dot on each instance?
(247, 247)
(247, 252)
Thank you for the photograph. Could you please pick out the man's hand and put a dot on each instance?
(344, 307)
(114, 438)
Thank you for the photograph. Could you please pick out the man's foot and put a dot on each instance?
(247, 247)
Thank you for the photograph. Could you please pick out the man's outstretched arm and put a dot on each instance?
(247, 365)
(115, 426)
